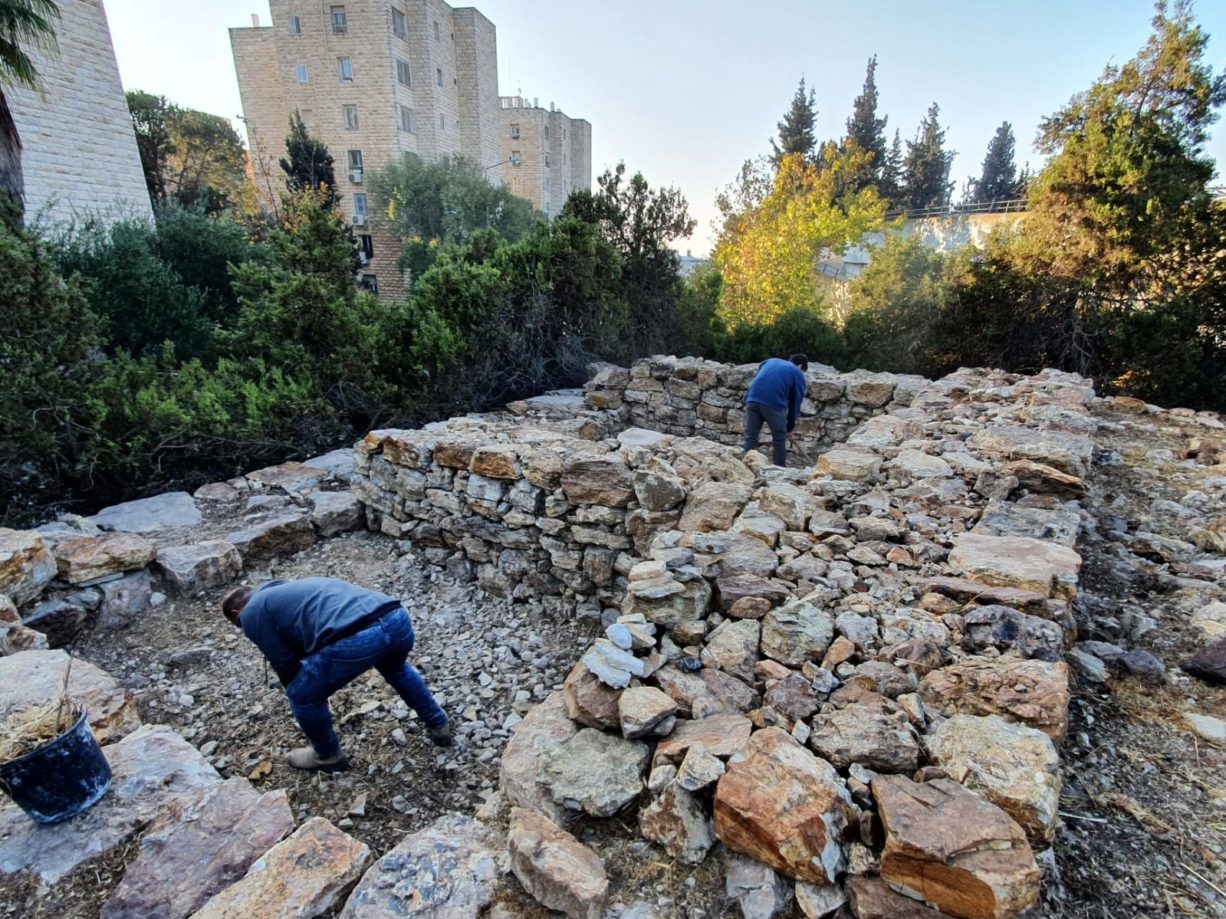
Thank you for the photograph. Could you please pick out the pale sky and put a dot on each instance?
(687, 90)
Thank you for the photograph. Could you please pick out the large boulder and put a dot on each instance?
(595, 772)
(713, 506)
(952, 849)
(733, 647)
(276, 537)
(588, 700)
(197, 850)
(677, 820)
(781, 805)
(1013, 766)
(545, 728)
(306, 875)
(1017, 561)
(1033, 692)
(92, 558)
(192, 569)
(559, 871)
(721, 735)
(449, 868)
(852, 465)
(26, 565)
(866, 735)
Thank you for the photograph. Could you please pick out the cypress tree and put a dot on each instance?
(891, 173)
(796, 127)
(866, 131)
(926, 171)
(998, 182)
(309, 164)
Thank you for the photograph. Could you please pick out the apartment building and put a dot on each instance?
(546, 154)
(372, 79)
(79, 154)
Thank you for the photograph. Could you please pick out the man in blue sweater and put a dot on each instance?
(319, 635)
(774, 397)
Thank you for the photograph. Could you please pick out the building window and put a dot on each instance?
(355, 166)
(437, 34)
(546, 132)
(408, 122)
(399, 29)
(370, 284)
(516, 159)
(351, 117)
(514, 132)
(546, 160)
(300, 73)
(438, 75)
(345, 65)
(359, 209)
(402, 73)
(366, 248)
(442, 121)
(339, 21)
(295, 25)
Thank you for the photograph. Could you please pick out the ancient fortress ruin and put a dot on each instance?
(852, 675)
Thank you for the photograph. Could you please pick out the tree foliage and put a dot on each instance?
(998, 181)
(769, 253)
(866, 132)
(927, 164)
(796, 128)
(308, 164)
(188, 157)
(442, 202)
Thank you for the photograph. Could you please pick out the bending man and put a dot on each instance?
(320, 634)
(774, 397)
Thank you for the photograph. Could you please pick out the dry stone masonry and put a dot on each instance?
(848, 682)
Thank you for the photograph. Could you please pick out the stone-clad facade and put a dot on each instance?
(79, 151)
(546, 154)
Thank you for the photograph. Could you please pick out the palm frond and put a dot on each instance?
(25, 23)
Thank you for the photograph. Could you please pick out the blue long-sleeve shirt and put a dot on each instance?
(779, 384)
(291, 620)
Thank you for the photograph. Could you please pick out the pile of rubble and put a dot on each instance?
(848, 682)
(850, 674)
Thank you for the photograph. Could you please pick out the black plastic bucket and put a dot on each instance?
(61, 778)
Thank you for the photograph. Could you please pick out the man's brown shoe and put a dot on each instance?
(307, 758)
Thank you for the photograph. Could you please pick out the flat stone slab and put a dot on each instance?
(595, 772)
(35, 677)
(91, 558)
(1069, 453)
(153, 770)
(304, 876)
(289, 477)
(195, 851)
(722, 735)
(1017, 561)
(544, 728)
(1007, 518)
(334, 512)
(26, 564)
(149, 515)
(851, 465)
(559, 871)
(1033, 692)
(450, 868)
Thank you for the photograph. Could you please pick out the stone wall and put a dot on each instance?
(79, 151)
(904, 604)
(694, 397)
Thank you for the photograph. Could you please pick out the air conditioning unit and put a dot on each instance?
(355, 176)
(359, 220)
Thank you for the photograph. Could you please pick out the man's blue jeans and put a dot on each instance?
(777, 420)
(385, 645)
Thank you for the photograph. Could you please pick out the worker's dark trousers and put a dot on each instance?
(385, 645)
(777, 420)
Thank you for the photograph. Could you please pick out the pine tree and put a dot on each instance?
(309, 164)
(998, 181)
(796, 127)
(890, 185)
(866, 131)
(926, 171)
